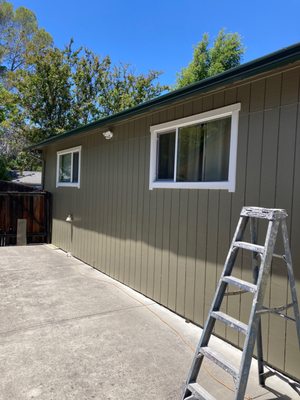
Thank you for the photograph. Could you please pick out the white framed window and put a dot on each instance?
(196, 152)
(68, 167)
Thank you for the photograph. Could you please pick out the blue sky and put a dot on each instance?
(161, 34)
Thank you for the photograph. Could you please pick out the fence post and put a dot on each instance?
(22, 232)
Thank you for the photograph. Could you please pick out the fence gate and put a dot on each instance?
(35, 207)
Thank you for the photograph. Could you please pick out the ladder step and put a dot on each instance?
(230, 321)
(243, 285)
(219, 360)
(250, 246)
(198, 392)
(265, 213)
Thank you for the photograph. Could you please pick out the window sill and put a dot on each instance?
(68, 184)
(226, 185)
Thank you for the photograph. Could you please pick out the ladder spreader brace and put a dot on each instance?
(261, 265)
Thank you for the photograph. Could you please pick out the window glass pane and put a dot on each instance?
(203, 152)
(75, 167)
(190, 154)
(216, 150)
(65, 167)
(166, 152)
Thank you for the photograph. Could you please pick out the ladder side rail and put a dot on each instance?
(288, 260)
(219, 294)
(255, 271)
(256, 305)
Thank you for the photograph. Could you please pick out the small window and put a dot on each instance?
(68, 167)
(196, 152)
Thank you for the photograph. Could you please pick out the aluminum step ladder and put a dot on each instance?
(261, 264)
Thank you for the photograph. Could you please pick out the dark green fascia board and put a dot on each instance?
(271, 61)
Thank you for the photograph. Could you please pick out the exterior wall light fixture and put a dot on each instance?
(108, 135)
(69, 218)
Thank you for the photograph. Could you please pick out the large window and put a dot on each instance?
(68, 167)
(196, 152)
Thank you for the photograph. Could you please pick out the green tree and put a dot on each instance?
(45, 90)
(226, 53)
(3, 169)
(44, 97)
(123, 89)
(5, 103)
(63, 89)
(9, 117)
(19, 35)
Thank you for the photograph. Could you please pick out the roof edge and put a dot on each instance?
(268, 62)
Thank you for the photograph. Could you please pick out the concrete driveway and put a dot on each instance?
(69, 332)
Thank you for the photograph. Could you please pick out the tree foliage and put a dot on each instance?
(123, 89)
(7, 104)
(46, 90)
(3, 169)
(62, 89)
(9, 117)
(19, 35)
(226, 53)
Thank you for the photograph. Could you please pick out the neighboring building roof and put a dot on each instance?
(30, 178)
(271, 61)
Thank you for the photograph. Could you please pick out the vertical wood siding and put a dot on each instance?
(171, 244)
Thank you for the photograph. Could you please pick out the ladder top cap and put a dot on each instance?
(264, 213)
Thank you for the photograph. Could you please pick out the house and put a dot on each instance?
(153, 194)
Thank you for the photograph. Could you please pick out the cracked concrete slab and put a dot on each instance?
(69, 332)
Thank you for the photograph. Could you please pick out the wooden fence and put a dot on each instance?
(35, 207)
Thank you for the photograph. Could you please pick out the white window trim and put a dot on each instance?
(233, 111)
(69, 151)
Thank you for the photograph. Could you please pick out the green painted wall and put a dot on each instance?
(171, 244)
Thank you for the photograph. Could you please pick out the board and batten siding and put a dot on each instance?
(170, 244)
